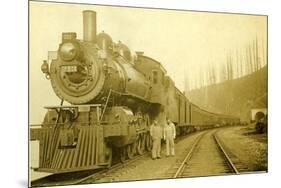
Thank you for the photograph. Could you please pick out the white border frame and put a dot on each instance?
(14, 92)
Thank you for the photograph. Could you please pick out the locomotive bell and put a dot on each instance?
(104, 42)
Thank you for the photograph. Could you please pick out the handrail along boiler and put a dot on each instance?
(113, 99)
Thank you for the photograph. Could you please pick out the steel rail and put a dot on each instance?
(229, 161)
(189, 154)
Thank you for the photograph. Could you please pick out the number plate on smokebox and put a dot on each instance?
(70, 68)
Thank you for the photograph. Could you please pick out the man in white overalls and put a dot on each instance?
(169, 136)
(156, 133)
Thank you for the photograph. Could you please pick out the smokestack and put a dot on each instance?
(89, 26)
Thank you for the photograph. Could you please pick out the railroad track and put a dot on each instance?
(110, 175)
(90, 176)
(207, 156)
(225, 155)
(83, 176)
(205, 144)
(188, 156)
(235, 161)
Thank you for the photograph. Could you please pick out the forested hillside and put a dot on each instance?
(234, 97)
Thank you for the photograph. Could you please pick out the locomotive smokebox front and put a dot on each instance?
(76, 74)
(85, 71)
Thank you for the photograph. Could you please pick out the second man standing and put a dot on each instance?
(169, 136)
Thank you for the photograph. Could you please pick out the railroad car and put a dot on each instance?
(113, 98)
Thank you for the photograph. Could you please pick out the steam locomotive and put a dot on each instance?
(113, 98)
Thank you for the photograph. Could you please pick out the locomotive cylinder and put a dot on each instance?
(89, 26)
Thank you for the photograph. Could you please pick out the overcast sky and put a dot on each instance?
(183, 41)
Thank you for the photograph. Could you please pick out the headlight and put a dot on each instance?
(68, 51)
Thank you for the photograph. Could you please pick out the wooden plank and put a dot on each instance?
(90, 146)
(93, 145)
(81, 152)
(70, 161)
(43, 136)
(59, 160)
(45, 147)
(40, 151)
(54, 143)
(97, 145)
(57, 151)
(54, 160)
(85, 151)
(74, 161)
(65, 158)
(101, 147)
(50, 132)
(78, 151)
(46, 144)
(80, 148)
(46, 138)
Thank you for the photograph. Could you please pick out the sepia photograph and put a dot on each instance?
(120, 94)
